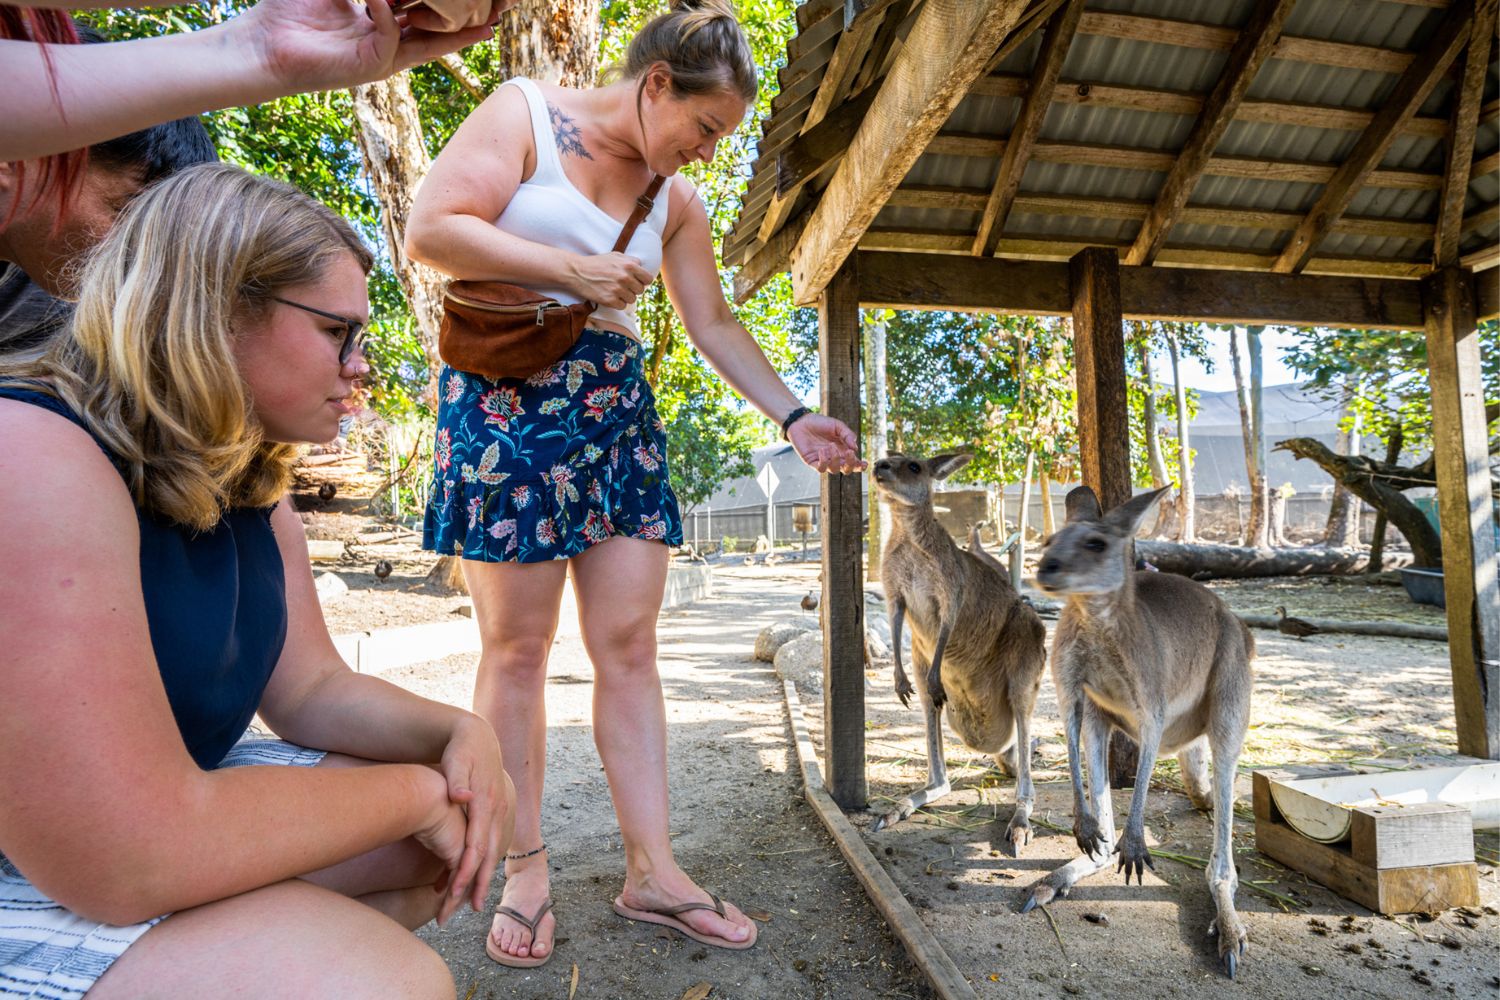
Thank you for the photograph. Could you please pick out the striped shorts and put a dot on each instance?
(47, 952)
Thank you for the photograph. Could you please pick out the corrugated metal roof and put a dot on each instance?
(1068, 198)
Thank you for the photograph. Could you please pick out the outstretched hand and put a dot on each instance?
(825, 443)
(312, 45)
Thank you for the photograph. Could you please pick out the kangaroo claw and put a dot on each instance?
(904, 690)
(1041, 895)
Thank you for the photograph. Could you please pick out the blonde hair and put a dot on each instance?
(149, 361)
(703, 46)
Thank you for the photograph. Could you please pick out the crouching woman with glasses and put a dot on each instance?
(156, 595)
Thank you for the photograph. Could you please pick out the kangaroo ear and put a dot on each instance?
(1081, 505)
(944, 466)
(1127, 517)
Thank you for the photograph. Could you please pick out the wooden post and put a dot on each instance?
(1465, 509)
(843, 575)
(1103, 413)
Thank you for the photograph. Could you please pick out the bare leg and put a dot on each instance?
(1193, 760)
(516, 606)
(620, 584)
(291, 939)
(1094, 824)
(937, 768)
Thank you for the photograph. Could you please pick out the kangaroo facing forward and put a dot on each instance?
(978, 649)
(1163, 660)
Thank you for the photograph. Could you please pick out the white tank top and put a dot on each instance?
(548, 209)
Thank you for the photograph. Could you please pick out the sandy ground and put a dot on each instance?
(742, 828)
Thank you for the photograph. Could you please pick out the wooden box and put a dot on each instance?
(1414, 859)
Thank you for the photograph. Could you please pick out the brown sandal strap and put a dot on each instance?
(530, 925)
(717, 906)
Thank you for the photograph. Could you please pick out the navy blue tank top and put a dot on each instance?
(216, 606)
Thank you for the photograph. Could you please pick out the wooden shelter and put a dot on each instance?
(1295, 162)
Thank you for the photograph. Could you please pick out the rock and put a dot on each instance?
(800, 660)
(330, 585)
(773, 637)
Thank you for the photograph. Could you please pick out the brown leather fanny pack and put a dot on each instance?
(501, 330)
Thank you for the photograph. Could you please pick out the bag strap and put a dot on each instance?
(643, 206)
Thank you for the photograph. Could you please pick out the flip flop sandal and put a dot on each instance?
(517, 961)
(667, 917)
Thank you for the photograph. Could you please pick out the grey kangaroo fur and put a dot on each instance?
(1163, 660)
(977, 648)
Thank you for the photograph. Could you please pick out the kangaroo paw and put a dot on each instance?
(1018, 833)
(891, 818)
(1232, 941)
(1135, 857)
(1089, 836)
(904, 690)
(1041, 895)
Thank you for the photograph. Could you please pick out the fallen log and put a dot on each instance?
(1205, 562)
(1394, 630)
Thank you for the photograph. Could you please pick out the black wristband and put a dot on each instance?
(792, 418)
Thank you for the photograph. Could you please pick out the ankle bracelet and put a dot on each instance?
(518, 857)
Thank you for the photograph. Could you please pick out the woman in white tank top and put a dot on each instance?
(533, 189)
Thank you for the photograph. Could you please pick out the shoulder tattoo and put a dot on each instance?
(567, 133)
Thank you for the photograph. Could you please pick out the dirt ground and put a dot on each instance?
(742, 828)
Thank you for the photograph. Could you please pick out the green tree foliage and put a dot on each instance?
(1192, 342)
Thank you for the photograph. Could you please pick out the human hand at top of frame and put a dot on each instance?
(312, 45)
(477, 781)
(826, 443)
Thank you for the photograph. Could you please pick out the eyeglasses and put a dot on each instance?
(354, 330)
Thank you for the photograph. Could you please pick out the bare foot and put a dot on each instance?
(526, 889)
(666, 889)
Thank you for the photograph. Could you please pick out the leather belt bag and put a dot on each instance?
(501, 330)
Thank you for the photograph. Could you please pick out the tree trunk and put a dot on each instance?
(1260, 495)
(876, 445)
(1380, 486)
(556, 41)
(1342, 531)
(1377, 543)
(1186, 497)
(395, 157)
(1049, 520)
(1153, 432)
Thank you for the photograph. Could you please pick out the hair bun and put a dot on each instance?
(710, 8)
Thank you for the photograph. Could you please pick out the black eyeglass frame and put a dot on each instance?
(354, 330)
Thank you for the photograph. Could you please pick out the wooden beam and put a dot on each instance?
(1465, 509)
(843, 534)
(1023, 135)
(1099, 367)
(930, 281)
(1461, 143)
(1251, 50)
(847, 53)
(1486, 165)
(1487, 295)
(1213, 37)
(768, 261)
(1410, 91)
(945, 51)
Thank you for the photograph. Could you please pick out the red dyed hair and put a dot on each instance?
(60, 172)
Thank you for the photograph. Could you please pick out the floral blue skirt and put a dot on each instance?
(529, 470)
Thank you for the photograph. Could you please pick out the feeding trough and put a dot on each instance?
(1322, 808)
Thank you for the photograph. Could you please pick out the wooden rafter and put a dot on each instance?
(1250, 51)
(947, 49)
(1023, 135)
(1410, 91)
(847, 53)
(1461, 145)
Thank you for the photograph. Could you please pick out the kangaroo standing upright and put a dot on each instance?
(976, 646)
(1163, 660)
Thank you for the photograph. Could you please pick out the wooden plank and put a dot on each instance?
(843, 597)
(768, 261)
(1487, 165)
(1461, 458)
(1409, 93)
(1487, 295)
(1426, 889)
(928, 281)
(1135, 158)
(1428, 833)
(1099, 367)
(944, 53)
(850, 49)
(1179, 102)
(1251, 50)
(821, 146)
(1023, 135)
(920, 943)
(1460, 153)
(1212, 37)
